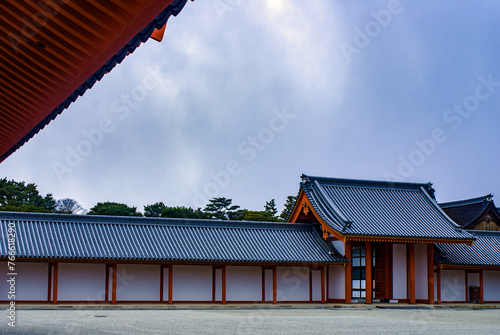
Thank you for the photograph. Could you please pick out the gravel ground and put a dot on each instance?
(286, 321)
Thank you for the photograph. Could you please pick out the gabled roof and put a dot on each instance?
(53, 51)
(124, 238)
(484, 252)
(383, 209)
(469, 212)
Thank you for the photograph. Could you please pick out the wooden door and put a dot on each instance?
(380, 271)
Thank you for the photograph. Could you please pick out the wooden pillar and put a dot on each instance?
(368, 272)
(223, 284)
(161, 282)
(438, 285)
(275, 286)
(410, 249)
(113, 285)
(106, 285)
(323, 300)
(430, 273)
(348, 272)
(327, 283)
(310, 284)
(56, 270)
(170, 283)
(49, 291)
(481, 288)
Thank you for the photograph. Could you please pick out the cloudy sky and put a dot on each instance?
(242, 97)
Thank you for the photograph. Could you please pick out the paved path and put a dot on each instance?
(258, 321)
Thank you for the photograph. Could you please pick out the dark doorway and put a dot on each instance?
(382, 271)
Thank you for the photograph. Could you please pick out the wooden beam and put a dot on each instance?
(106, 284)
(481, 287)
(348, 272)
(323, 300)
(411, 271)
(275, 285)
(223, 284)
(438, 285)
(56, 275)
(113, 285)
(430, 273)
(368, 272)
(161, 282)
(49, 292)
(170, 283)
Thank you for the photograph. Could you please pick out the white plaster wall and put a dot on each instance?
(269, 284)
(79, 281)
(192, 283)
(243, 283)
(473, 279)
(435, 286)
(293, 283)
(452, 285)
(491, 282)
(316, 285)
(218, 285)
(421, 271)
(138, 282)
(31, 281)
(339, 246)
(336, 282)
(399, 288)
(165, 283)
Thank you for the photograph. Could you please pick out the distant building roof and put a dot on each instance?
(484, 252)
(378, 208)
(129, 238)
(470, 212)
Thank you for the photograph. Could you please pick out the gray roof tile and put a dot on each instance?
(125, 238)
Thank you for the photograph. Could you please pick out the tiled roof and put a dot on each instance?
(484, 252)
(125, 238)
(46, 65)
(467, 212)
(378, 208)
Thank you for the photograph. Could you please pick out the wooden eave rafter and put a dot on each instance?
(51, 51)
(304, 207)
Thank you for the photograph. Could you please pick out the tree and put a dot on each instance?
(154, 210)
(113, 208)
(69, 206)
(183, 212)
(247, 215)
(289, 204)
(270, 207)
(221, 209)
(19, 196)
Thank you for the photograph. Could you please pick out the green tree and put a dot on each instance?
(247, 215)
(270, 207)
(154, 210)
(113, 208)
(289, 204)
(183, 212)
(19, 196)
(222, 209)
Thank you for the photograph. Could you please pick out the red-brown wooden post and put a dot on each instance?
(430, 273)
(411, 270)
(348, 272)
(368, 272)
(113, 285)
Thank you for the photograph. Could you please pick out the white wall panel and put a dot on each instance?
(80, 281)
(399, 271)
(435, 287)
(138, 282)
(192, 283)
(316, 285)
(293, 283)
(336, 282)
(421, 271)
(452, 285)
(165, 283)
(31, 281)
(243, 283)
(491, 282)
(218, 284)
(473, 279)
(269, 284)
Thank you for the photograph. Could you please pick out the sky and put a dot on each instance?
(242, 97)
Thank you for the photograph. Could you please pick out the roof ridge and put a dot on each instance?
(366, 182)
(465, 202)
